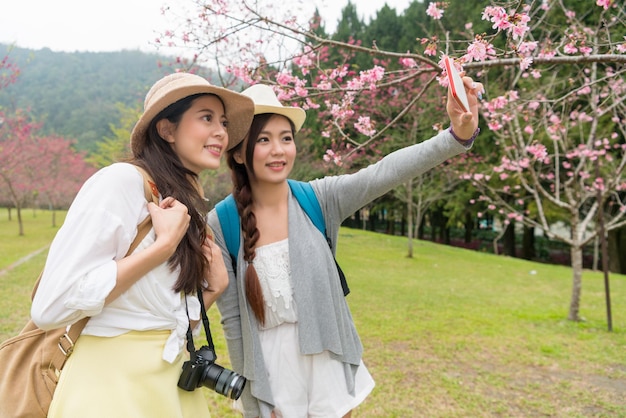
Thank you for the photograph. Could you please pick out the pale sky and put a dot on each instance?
(113, 25)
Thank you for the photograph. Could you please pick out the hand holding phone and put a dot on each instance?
(455, 83)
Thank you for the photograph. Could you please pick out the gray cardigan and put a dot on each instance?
(324, 319)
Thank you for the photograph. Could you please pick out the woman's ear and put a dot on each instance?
(165, 128)
(237, 156)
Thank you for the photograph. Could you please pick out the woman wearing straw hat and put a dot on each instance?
(287, 324)
(129, 357)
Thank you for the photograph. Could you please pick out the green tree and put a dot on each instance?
(116, 146)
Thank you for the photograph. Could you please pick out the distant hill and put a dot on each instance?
(74, 94)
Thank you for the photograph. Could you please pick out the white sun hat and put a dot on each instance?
(265, 101)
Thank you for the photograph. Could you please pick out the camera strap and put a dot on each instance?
(207, 329)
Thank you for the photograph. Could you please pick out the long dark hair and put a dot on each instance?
(173, 179)
(243, 197)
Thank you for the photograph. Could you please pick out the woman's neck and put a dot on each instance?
(269, 195)
(270, 207)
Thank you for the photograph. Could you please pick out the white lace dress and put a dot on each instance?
(272, 265)
(302, 385)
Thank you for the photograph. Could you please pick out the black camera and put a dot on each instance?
(205, 372)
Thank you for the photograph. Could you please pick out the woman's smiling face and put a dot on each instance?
(200, 138)
(274, 151)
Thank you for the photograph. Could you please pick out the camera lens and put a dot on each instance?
(223, 381)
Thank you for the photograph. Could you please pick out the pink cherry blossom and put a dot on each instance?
(479, 50)
(431, 49)
(525, 63)
(538, 151)
(604, 3)
(365, 126)
(434, 11)
(408, 62)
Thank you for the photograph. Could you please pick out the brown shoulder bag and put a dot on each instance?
(31, 362)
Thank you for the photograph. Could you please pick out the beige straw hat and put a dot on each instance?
(265, 101)
(171, 88)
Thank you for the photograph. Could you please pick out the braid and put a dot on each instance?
(243, 197)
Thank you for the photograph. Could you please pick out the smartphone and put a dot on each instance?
(457, 88)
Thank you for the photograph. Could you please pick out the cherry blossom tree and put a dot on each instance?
(62, 171)
(18, 153)
(32, 165)
(8, 75)
(561, 140)
(553, 69)
(9, 72)
(562, 157)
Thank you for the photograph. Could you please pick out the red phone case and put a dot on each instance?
(456, 84)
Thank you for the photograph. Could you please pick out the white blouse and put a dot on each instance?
(81, 268)
(272, 265)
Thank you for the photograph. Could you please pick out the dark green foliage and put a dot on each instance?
(75, 94)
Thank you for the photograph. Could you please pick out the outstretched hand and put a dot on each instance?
(464, 124)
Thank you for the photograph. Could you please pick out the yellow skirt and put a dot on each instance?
(125, 377)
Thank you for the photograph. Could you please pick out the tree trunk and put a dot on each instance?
(357, 218)
(446, 233)
(496, 239)
(508, 240)
(433, 225)
(469, 227)
(364, 219)
(617, 250)
(19, 220)
(372, 221)
(409, 216)
(528, 243)
(577, 273)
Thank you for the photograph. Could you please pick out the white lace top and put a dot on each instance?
(272, 265)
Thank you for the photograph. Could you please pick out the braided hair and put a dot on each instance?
(242, 193)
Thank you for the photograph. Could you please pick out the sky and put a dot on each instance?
(114, 25)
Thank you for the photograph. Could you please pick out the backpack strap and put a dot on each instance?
(231, 226)
(303, 191)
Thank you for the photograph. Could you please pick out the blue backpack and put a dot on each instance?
(303, 191)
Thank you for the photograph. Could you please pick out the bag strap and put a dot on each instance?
(151, 194)
(67, 340)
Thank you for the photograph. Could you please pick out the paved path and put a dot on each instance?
(23, 260)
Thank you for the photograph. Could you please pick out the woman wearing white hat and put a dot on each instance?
(129, 357)
(287, 324)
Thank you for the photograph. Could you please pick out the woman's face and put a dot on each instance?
(274, 151)
(200, 138)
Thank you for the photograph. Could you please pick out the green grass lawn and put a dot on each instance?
(448, 333)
